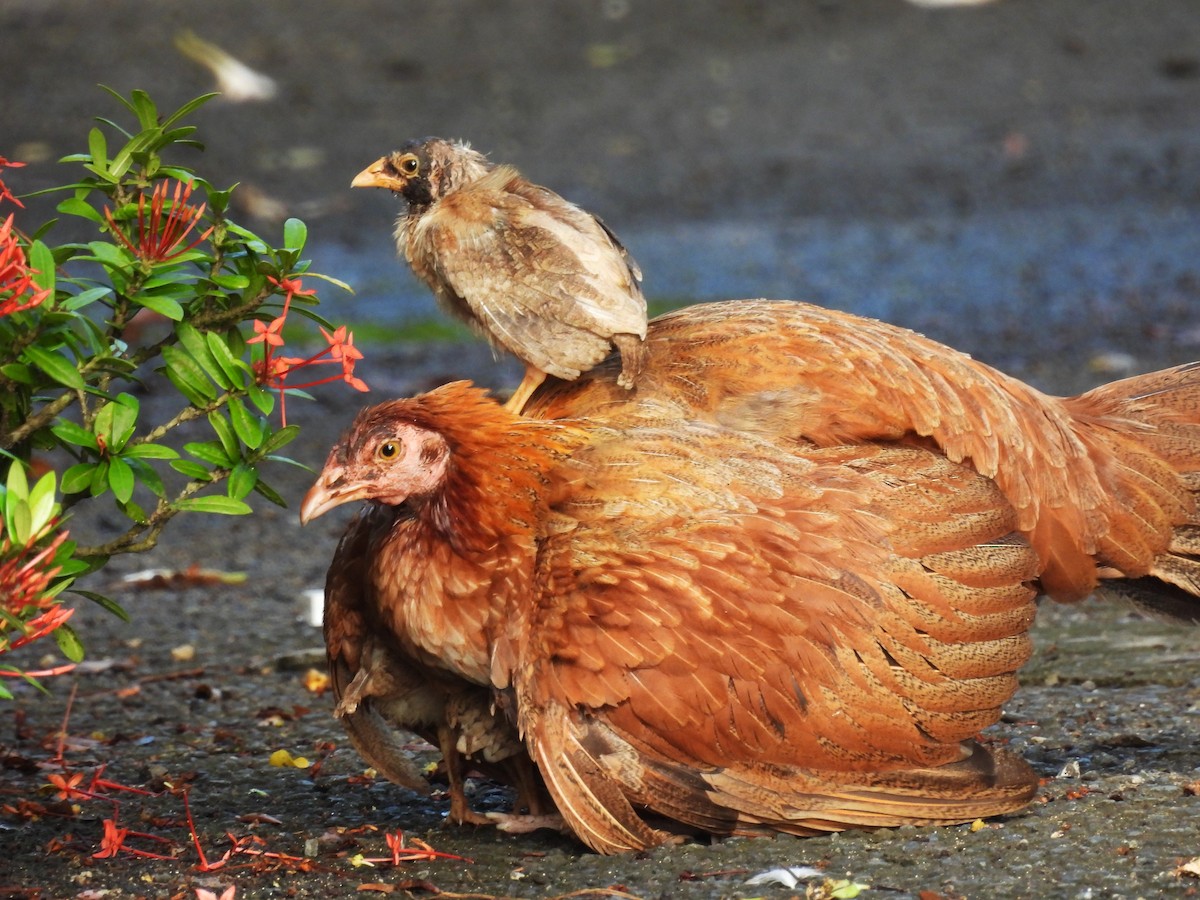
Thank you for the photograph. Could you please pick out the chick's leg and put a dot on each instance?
(530, 383)
(460, 811)
(633, 358)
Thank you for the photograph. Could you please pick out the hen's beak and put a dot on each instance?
(330, 491)
(375, 176)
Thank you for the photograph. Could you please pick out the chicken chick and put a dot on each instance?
(528, 270)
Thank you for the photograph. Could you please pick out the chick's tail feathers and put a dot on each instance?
(1146, 432)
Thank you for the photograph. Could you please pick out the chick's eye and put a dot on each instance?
(409, 165)
(388, 450)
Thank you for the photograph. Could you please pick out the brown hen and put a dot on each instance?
(782, 597)
(529, 271)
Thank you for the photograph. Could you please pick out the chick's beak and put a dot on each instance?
(331, 490)
(376, 176)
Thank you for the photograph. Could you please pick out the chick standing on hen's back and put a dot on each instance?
(531, 272)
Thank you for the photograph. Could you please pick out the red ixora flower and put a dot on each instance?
(273, 370)
(161, 238)
(25, 578)
(5, 193)
(17, 288)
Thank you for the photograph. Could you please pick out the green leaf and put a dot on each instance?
(187, 108)
(41, 261)
(336, 282)
(188, 376)
(56, 366)
(78, 478)
(226, 506)
(264, 400)
(147, 477)
(71, 433)
(98, 148)
(281, 437)
(125, 416)
(145, 109)
(134, 512)
(198, 346)
(74, 206)
(120, 479)
(231, 282)
(110, 255)
(17, 484)
(232, 369)
(20, 523)
(164, 306)
(252, 241)
(99, 479)
(17, 372)
(225, 434)
(242, 480)
(210, 452)
(116, 420)
(261, 487)
(295, 233)
(42, 506)
(106, 603)
(69, 643)
(123, 160)
(120, 99)
(190, 469)
(84, 298)
(149, 451)
(248, 428)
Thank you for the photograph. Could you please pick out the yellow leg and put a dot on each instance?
(530, 383)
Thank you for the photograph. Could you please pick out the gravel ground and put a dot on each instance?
(1021, 180)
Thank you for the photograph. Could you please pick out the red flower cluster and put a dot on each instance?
(24, 579)
(273, 371)
(160, 239)
(17, 289)
(5, 193)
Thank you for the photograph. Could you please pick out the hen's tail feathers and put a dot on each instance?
(608, 783)
(987, 782)
(1147, 428)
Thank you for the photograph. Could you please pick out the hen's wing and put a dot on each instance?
(830, 378)
(731, 634)
(545, 281)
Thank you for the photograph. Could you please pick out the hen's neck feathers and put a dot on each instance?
(496, 481)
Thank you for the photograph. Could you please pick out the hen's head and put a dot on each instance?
(386, 456)
(424, 171)
(457, 459)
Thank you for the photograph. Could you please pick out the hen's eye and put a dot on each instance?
(409, 165)
(388, 450)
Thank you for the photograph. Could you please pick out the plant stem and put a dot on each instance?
(144, 535)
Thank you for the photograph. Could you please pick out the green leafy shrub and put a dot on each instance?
(73, 346)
